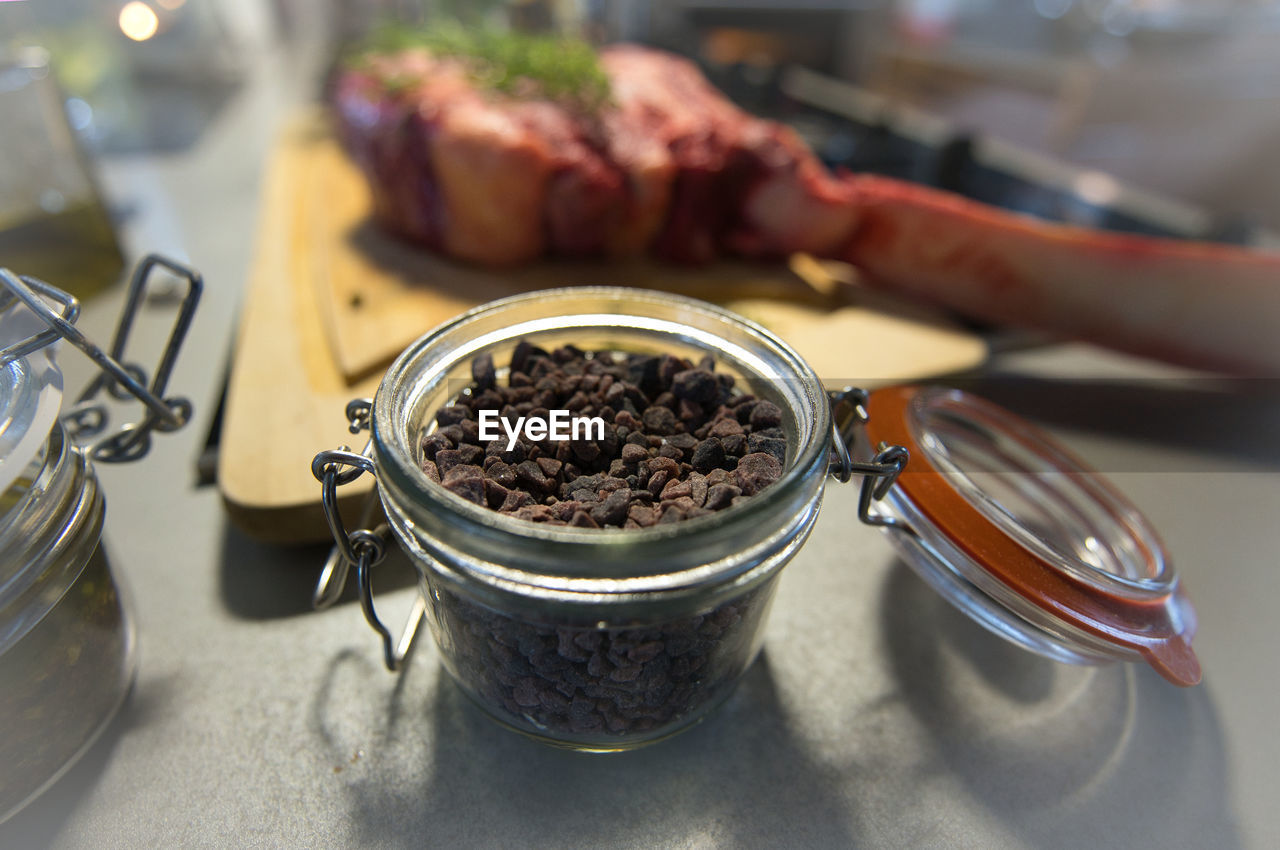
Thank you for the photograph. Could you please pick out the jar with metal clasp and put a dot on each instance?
(66, 636)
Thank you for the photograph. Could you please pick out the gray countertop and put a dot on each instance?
(876, 716)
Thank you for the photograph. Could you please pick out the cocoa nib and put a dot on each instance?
(757, 471)
(467, 482)
(696, 385)
(565, 679)
(678, 442)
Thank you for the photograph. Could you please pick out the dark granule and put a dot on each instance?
(593, 683)
(679, 440)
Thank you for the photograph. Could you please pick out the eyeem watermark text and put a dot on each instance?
(558, 426)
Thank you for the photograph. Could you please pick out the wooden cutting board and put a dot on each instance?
(331, 300)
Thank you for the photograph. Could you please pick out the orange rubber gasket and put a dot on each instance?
(1144, 625)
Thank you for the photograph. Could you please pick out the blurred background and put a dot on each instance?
(1165, 113)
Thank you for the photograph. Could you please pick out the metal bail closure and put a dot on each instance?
(117, 377)
(1026, 539)
(363, 548)
(848, 411)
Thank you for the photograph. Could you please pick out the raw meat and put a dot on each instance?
(672, 169)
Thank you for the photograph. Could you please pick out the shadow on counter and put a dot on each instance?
(741, 779)
(265, 581)
(969, 724)
(1063, 755)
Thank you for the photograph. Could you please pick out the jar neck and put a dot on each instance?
(50, 525)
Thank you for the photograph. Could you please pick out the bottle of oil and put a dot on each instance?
(53, 224)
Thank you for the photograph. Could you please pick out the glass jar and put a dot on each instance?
(588, 639)
(53, 223)
(66, 640)
(605, 640)
(66, 636)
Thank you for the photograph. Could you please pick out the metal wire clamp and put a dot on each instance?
(849, 406)
(118, 378)
(363, 548)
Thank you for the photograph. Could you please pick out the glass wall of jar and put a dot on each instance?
(66, 639)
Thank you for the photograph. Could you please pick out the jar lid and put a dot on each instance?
(30, 393)
(1021, 535)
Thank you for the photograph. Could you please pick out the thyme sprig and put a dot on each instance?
(515, 63)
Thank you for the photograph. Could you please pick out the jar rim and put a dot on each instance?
(414, 374)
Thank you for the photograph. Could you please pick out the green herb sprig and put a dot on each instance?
(515, 63)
